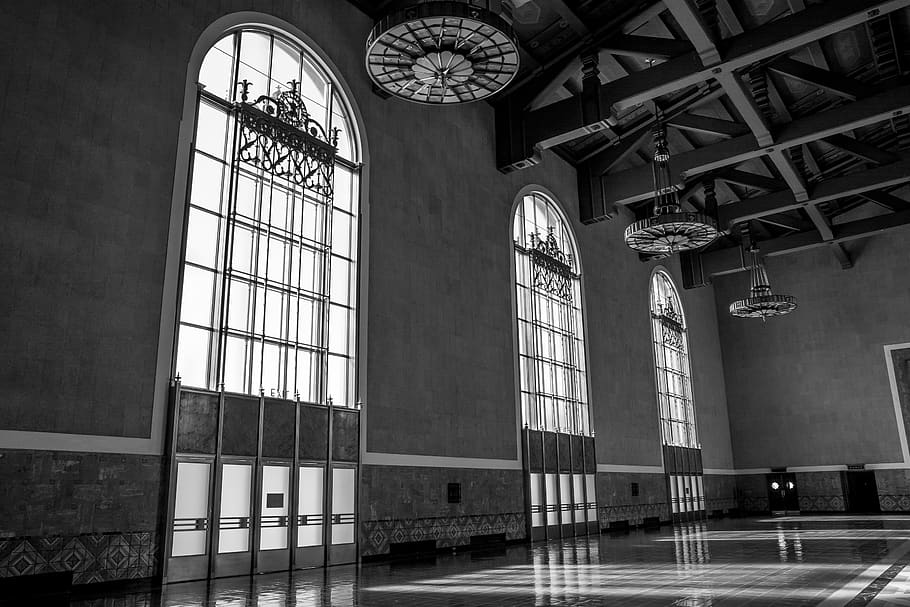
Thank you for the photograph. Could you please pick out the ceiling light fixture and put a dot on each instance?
(443, 52)
(761, 303)
(670, 230)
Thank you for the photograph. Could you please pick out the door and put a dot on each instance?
(274, 520)
(860, 491)
(233, 547)
(189, 530)
(782, 494)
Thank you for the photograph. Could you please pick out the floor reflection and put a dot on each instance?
(781, 561)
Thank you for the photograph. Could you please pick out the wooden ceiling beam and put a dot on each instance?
(842, 86)
(636, 184)
(564, 120)
(707, 125)
(861, 149)
(886, 200)
(751, 180)
(730, 261)
(646, 47)
(886, 176)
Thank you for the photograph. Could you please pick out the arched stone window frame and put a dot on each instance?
(167, 343)
(672, 367)
(527, 396)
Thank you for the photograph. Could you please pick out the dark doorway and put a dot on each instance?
(782, 495)
(860, 491)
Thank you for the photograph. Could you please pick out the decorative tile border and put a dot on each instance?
(755, 504)
(92, 557)
(721, 503)
(376, 535)
(635, 514)
(821, 503)
(894, 503)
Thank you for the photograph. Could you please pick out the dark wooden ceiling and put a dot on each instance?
(808, 100)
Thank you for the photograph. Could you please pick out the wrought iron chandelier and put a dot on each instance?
(670, 230)
(761, 303)
(442, 52)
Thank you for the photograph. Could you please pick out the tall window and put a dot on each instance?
(550, 324)
(671, 362)
(269, 274)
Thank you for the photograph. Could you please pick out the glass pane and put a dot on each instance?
(336, 382)
(238, 306)
(255, 49)
(274, 503)
(343, 184)
(306, 375)
(341, 234)
(246, 197)
(234, 521)
(211, 130)
(343, 488)
(313, 89)
(272, 370)
(285, 64)
(235, 361)
(196, 302)
(309, 507)
(207, 180)
(341, 285)
(215, 72)
(193, 356)
(202, 238)
(242, 254)
(313, 220)
(191, 509)
(537, 502)
(338, 330)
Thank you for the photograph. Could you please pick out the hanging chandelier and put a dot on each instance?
(442, 52)
(761, 303)
(669, 230)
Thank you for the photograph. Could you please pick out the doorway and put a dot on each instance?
(782, 494)
(860, 491)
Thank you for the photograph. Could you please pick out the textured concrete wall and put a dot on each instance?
(812, 388)
(615, 501)
(93, 514)
(408, 504)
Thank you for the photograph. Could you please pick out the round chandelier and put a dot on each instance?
(670, 230)
(761, 303)
(442, 53)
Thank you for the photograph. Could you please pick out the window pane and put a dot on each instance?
(211, 130)
(243, 250)
(196, 304)
(193, 356)
(340, 292)
(239, 306)
(285, 64)
(342, 188)
(235, 360)
(338, 330)
(306, 375)
(246, 196)
(336, 382)
(202, 238)
(341, 234)
(254, 61)
(215, 72)
(207, 180)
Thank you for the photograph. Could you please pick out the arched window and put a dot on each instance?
(671, 363)
(550, 325)
(269, 271)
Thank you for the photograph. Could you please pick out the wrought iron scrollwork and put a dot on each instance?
(553, 269)
(278, 135)
(671, 324)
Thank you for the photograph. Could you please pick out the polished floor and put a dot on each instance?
(801, 560)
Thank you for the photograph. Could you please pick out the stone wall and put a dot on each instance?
(408, 504)
(615, 502)
(93, 514)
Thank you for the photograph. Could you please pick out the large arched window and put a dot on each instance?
(550, 325)
(269, 273)
(671, 363)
